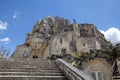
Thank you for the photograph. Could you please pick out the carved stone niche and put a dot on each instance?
(36, 53)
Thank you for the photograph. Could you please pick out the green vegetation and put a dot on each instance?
(32, 33)
(28, 34)
(115, 66)
(35, 31)
(74, 63)
(4, 52)
(78, 54)
(114, 54)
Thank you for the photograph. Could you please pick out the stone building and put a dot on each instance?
(53, 35)
(99, 69)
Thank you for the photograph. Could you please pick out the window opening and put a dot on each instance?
(97, 75)
(25, 54)
(34, 57)
(60, 40)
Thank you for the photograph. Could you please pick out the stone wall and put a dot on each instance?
(20, 50)
(73, 43)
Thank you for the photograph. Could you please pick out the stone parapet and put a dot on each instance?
(71, 72)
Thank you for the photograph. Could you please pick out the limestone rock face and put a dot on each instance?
(55, 35)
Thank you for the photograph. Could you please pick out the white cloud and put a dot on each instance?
(16, 14)
(6, 40)
(112, 34)
(3, 25)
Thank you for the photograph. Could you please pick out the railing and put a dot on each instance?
(71, 72)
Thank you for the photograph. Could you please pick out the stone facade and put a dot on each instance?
(53, 35)
(98, 67)
(20, 49)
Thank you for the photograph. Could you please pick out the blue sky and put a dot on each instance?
(17, 17)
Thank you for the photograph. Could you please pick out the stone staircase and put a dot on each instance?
(29, 69)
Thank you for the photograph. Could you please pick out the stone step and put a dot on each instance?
(47, 68)
(25, 66)
(21, 77)
(29, 69)
(25, 70)
(16, 65)
(31, 73)
(26, 61)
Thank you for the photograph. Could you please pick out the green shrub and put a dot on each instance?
(29, 34)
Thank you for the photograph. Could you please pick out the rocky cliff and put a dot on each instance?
(56, 35)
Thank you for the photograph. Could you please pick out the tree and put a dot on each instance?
(114, 54)
(4, 52)
(74, 21)
(28, 34)
(115, 66)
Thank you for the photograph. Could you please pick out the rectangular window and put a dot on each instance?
(97, 75)
(93, 75)
(100, 76)
(60, 40)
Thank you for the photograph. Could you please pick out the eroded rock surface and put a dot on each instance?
(56, 35)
